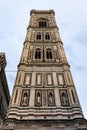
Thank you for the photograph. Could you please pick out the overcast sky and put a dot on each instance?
(71, 18)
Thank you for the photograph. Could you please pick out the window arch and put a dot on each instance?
(47, 36)
(38, 36)
(38, 54)
(49, 54)
(42, 24)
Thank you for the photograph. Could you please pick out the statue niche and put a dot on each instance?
(51, 99)
(25, 98)
(64, 98)
(38, 98)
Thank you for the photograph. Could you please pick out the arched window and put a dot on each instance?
(38, 37)
(47, 36)
(38, 54)
(49, 54)
(42, 24)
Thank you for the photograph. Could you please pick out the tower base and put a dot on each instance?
(75, 124)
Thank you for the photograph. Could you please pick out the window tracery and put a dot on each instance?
(42, 24)
(38, 37)
(47, 36)
(38, 53)
(49, 54)
(42, 54)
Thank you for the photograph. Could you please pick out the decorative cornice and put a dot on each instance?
(48, 64)
(42, 11)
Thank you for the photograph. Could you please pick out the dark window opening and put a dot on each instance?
(42, 24)
(49, 54)
(47, 37)
(38, 54)
(38, 37)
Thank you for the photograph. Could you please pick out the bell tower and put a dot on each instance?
(44, 93)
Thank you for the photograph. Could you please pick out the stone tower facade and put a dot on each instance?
(44, 94)
(4, 92)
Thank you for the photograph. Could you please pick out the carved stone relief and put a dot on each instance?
(60, 79)
(38, 79)
(64, 97)
(33, 36)
(51, 98)
(30, 55)
(53, 36)
(27, 80)
(44, 98)
(25, 97)
(49, 79)
(38, 97)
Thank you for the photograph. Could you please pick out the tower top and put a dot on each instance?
(42, 11)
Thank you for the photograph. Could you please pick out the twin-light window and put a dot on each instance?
(46, 36)
(48, 54)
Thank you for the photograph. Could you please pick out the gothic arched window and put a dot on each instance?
(47, 36)
(38, 37)
(38, 54)
(49, 54)
(42, 24)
